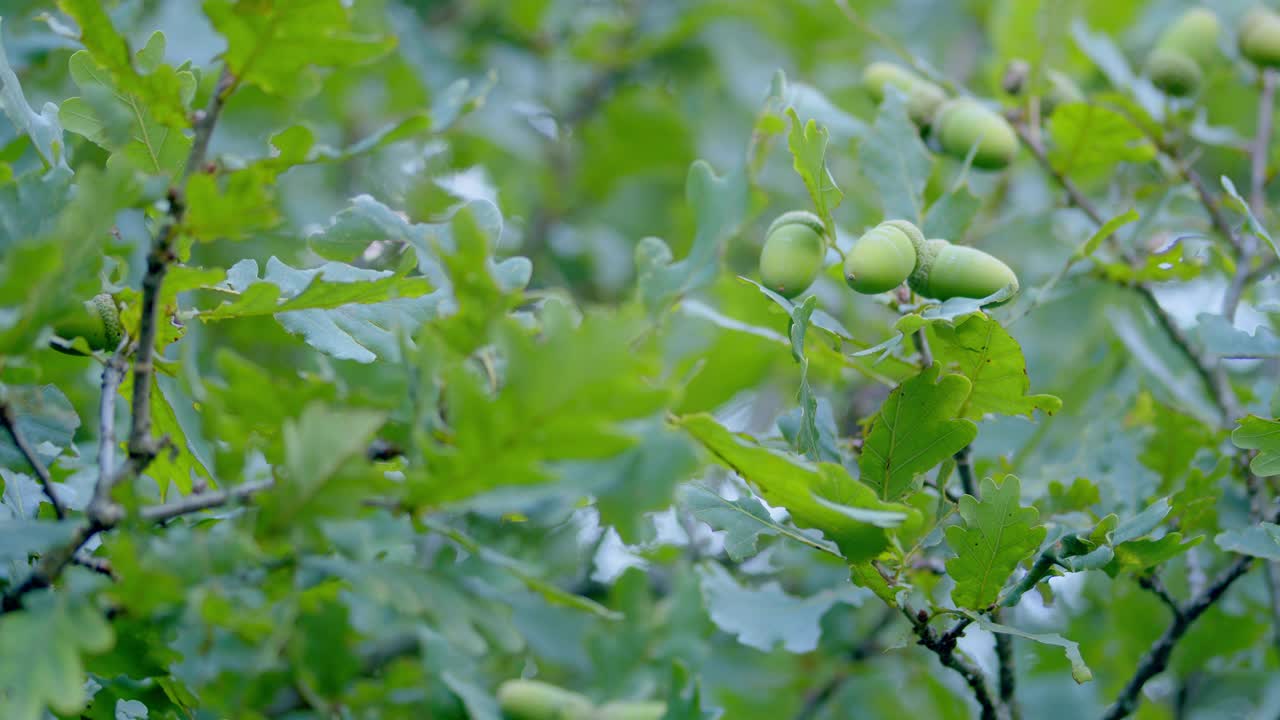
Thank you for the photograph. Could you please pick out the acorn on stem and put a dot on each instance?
(1176, 63)
(97, 320)
(1259, 37)
(963, 123)
(937, 269)
(923, 96)
(944, 271)
(882, 259)
(793, 253)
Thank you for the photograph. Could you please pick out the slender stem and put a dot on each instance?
(10, 423)
(922, 347)
(203, 501)
(1261, 144)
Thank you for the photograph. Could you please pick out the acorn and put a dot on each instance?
(963, 122)
(534, 700)
(883, 257)
(923, 96)
(793, 253)
(1176, 63)
(1259, 37)
(944, 271)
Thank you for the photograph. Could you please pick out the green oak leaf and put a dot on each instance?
(998, 534)
(919, 426)
(1263, 435)
(983, 351)
(821, 497)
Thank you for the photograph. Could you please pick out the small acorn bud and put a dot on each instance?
(793, 253)
(534, 700)
(882, 258)
(946, 271)
(648, 710)
(97, 321)
(923, 96)
(964, 122)
(1015, 76)
(1259, 37)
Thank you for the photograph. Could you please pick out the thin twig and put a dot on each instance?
(203, 501)
(1154, 584)
(944, 647)
(1157, 657)
(10, 423)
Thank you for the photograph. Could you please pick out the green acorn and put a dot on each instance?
(944, 271)
(923, 96)
(793, 253)
(97, 321)
(1259, 37)
(1176, 63)
(1194, 34)
(650, 710)
(882, 258)
(1173, 72)
(964, 122)
(534, 700)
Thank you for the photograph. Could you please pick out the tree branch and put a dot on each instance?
(103, 513)
(10, 424)
(1008, 670)
(203, 501)
(944, 647)
(1157, 657)
(964, 467)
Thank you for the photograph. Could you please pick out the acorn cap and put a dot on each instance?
(797, 217)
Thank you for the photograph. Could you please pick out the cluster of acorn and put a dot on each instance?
(893, 252)
(534, 700)
(1177, 62)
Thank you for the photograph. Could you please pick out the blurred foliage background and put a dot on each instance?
(589, 115)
